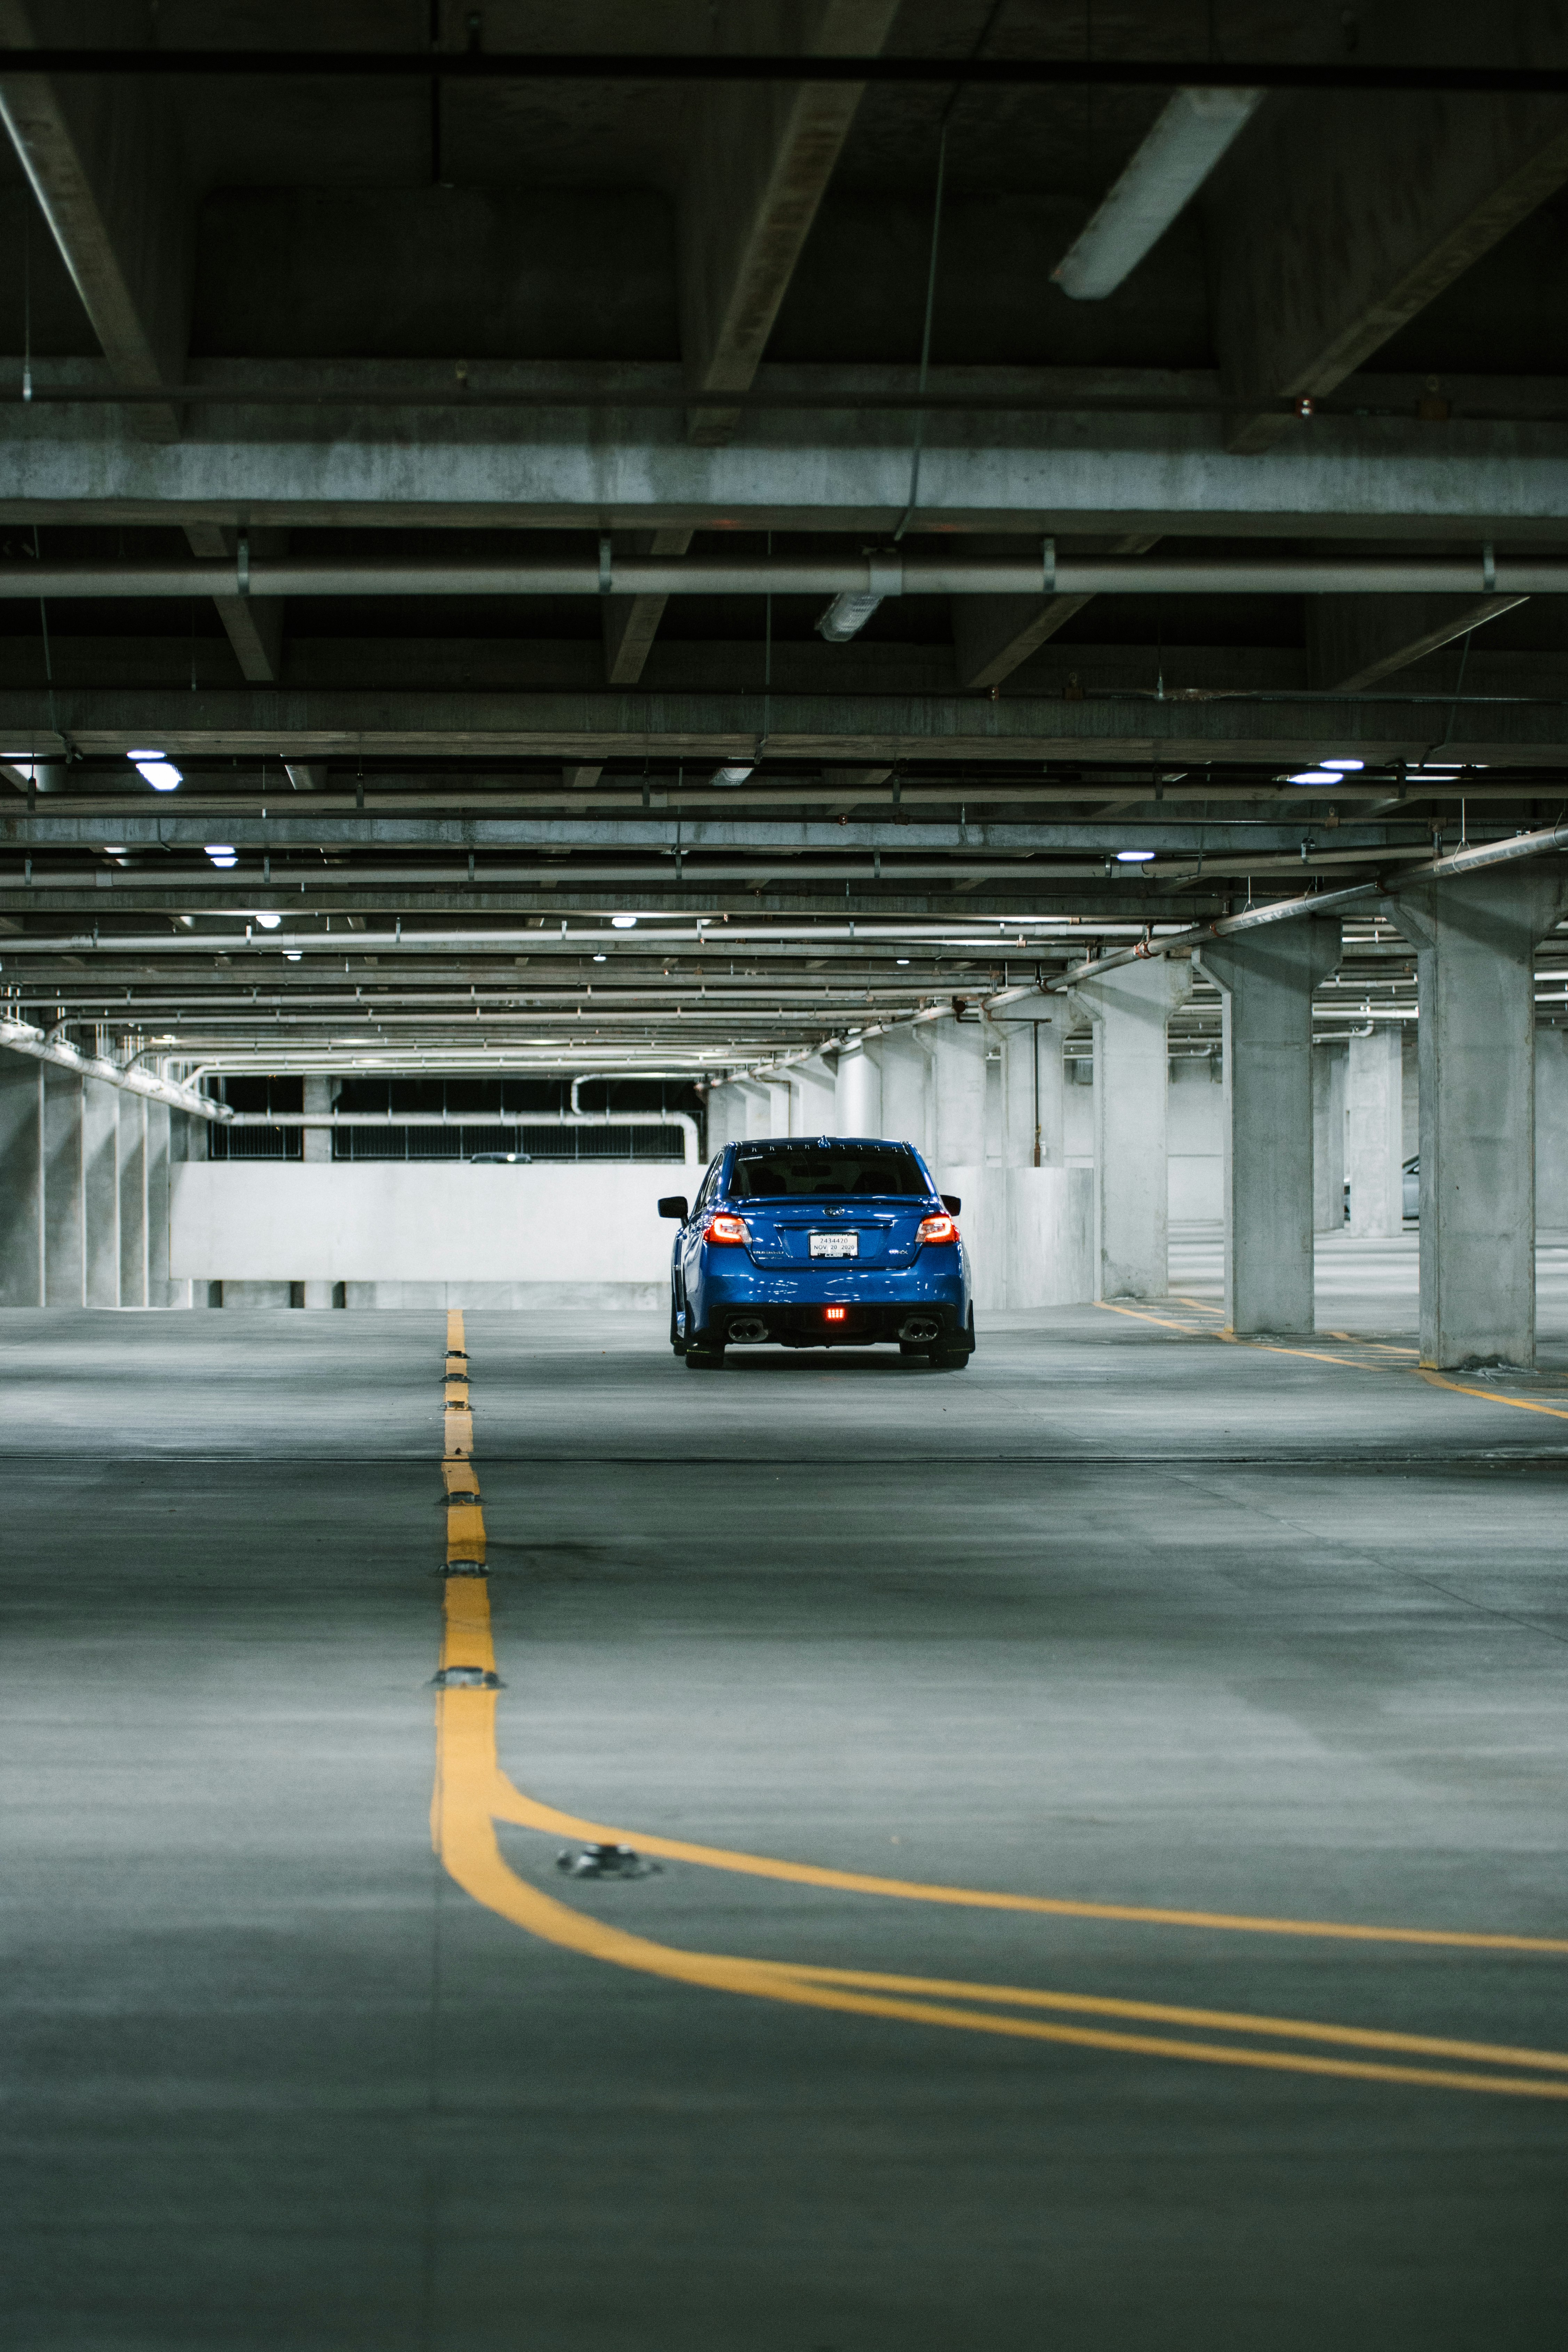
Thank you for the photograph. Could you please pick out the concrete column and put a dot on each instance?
(65, 1234)
(726, 1118)
(958, 1073)
(813, 1109)
(1267, 979)
(1328, 1139)
(1551, 1130)
(906, 1090)
(101, 1191)
(1475, 936)
(858, 1092)
(316, 1146)
(780, 1106)
(1130, 1009)
(166, 1145)
(21, 1180)
(1374, 1131)
(754, 1111)
(131, 1170)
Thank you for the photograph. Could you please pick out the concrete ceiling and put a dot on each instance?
(328, 319)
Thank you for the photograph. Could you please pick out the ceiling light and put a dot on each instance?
(161, 773)
(903, 959)
(599, 959)
(1345, 766)
(221, 853)
(291, 955)
(846, 617)
(1135, 857)
(1170, 167)
(1316, 776)
(736, 774)
(114, 849)
(627, 922)
(268, 923)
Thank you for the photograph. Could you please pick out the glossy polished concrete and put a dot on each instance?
(1122, 1615)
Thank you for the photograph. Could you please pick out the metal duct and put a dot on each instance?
(876, 574)
(24, 1039)
(384, 1119)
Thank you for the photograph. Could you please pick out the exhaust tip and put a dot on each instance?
(748, 1327)
(916, 1327)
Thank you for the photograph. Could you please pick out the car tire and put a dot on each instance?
(701, 1356)
(677, 1345)
(956, 1360)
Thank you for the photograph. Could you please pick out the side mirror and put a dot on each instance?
(951, 1203)
(675, 1206)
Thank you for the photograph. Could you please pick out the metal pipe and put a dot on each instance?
(872, 573)
(1289, 910)
(23, 1038)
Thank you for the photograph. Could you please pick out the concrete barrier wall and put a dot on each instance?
(361, 1223)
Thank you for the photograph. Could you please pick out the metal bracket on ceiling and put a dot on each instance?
(605, 563)
(1049, 566)
(242, 563)
(1489, 567)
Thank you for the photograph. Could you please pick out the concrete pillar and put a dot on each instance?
(64, 1235)
(131, 1168)
(726, 1118)
(1328, 1139)
(780, 1106)
(101, 1191)
(1551, 1130)
(1267, 979)
(1475, 936)
(858, 1092)
(166, 1147)
(958, 1073)
(813, 1109)
(21, 1180)
(1130, 1009)
(1374, 1131)
(316, 1148)
(906, 1090)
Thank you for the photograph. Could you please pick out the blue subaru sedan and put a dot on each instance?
(827, 1241)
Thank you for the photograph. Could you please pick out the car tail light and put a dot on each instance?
(834, 1314)
(722, 1229)
(936, 1229)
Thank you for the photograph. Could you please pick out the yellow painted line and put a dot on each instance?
(456, 1343)
(465, 1532)
(510, 1804)
(459, 1438)
(471, 1794)
(1491, 1396)
(456, 1392)
(463, 1808)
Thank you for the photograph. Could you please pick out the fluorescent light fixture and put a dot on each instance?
(1344, 767)
(599, 959)
(735, 774)
(903, 959)
(846, 617)
(1135, 857)
(267, 922)
(624, 922)
(1170, 167)
(1316, 776)
(161, 773)
(221, 853)
(291, 955)
(114, 849)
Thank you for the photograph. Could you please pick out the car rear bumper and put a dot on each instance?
(919, 1304)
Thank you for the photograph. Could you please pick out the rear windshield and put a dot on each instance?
(778, 1174)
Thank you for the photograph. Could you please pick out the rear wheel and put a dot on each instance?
(956, 1360)
(701, 1356)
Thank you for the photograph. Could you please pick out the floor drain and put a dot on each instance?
(606, 1862)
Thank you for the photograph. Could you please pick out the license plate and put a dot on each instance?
(836, 1245)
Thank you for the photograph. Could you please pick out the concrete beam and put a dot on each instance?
(1354, 641)
(994, 636)
(104, 167)
(759, 158)
(253, 624)
(1335, 220)
(631, 623)
(1153, 475)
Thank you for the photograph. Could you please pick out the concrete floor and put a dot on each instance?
(1119, 1615)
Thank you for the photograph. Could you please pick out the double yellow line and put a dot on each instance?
(472, 1794)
